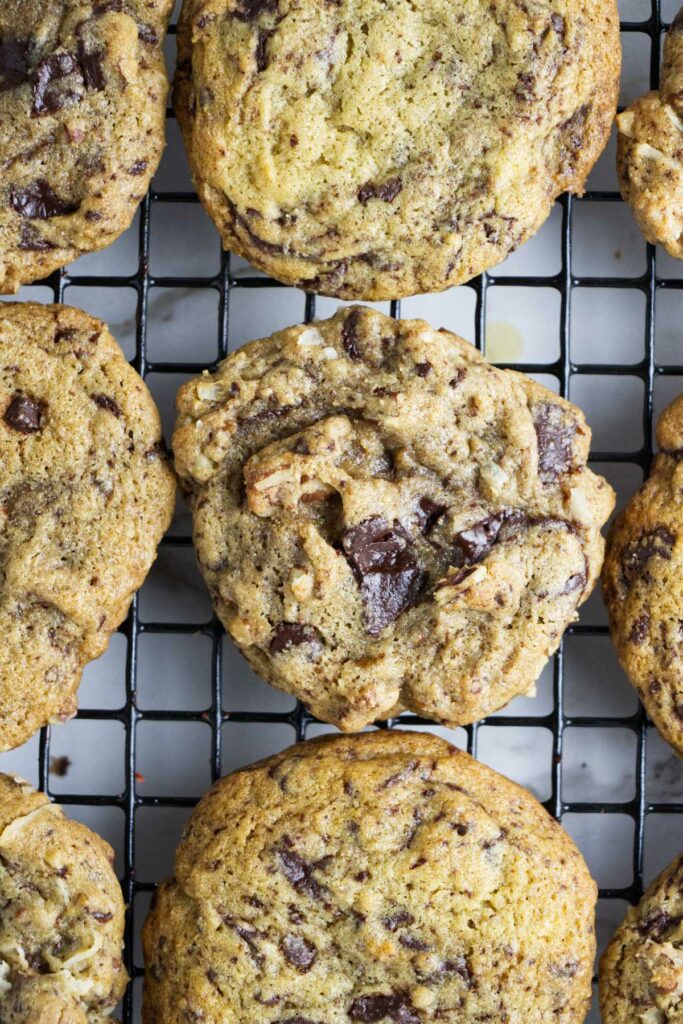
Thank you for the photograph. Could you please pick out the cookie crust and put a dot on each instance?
(379, 877)
(83, 92)
(372, 151)
(86, 493)
(642, 582)
(385, 520)
(61, 929)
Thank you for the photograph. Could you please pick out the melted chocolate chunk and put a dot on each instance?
(298, 952)
(428, 513)
(386, 191)
(293, 634)
(386, 570)
(250, 10)
(657, 543)
(48, 96)
(14, 62)
(423, 369)
(31, 241)
(350, 334)
(555, 438)
(474, 544)
(261, 53)
(396, 1007)
(299, 874)
(397, 920)
(657, 922)
(25, 414)
(92, 68)
(107, 403)
(38, 202)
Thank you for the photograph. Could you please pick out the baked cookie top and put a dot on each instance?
(650, 152)
(61, 928)
(85, 496)
(381, 877)
(82, 117)
(373, 150)
(387, 521)
(642, 582)
(641, 972)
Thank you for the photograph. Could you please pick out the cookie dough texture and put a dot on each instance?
(650, 152)
(384, 877)
(641, 973)
(61, 926)
(372, 149)
(82, 118)
(643, 582)
(85, 496)
(385, 520)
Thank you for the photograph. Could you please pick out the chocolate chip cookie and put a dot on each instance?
(650, 152)
(385, 520)
(641, 973)
(82, 116)
(86, 493)
(381, 877)
(374, 150)
(61, 927)
(643, 583)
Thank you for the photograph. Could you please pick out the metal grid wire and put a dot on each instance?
(225, 283)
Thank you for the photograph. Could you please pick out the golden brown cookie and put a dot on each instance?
(641, 972)
(650, 152)
(643, 582)
(382, 877)
(61, 918)
(385, 520)
(86, 494)
(82, 121)
(373, 150)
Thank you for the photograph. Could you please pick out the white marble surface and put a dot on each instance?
(522, 325)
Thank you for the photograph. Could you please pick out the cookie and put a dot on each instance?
(642, 582)
(641, 972)
(385, 520)
(382, 877)
(85, 495)
(650, 152)
(371, 150)
(61, 928)
(82, 119)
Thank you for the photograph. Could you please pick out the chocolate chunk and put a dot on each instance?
(459, 377)
(350, 334)
(92, 68)
(575, 582)
(147, 34)
(412, 942)
(250, 10)
(293, 634)
(475, 543)
(30, 240)
(38, 202)
(423, 369)
(554, 436)
(25, 414)
(557, 21)
(640, 630)
(101, 915)
(48, 97)
(428, 513)
(261, 53)
(396, 1007)
(105, 402)
(299, 873)
(298, 952)
(386, 191)
(386, 570)
(397, 920)
(656, 543)
(656, 923)
(570, 138)
(14, 62)
(139, 167)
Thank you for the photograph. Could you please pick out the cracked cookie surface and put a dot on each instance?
(385, 520)
(641, 972)
(650, 152)
(380, 877)
(61, 927)
(372, 149)
(85, 495)
(643, 582)
(82, 122)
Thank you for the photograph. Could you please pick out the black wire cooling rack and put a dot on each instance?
(225, 283)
